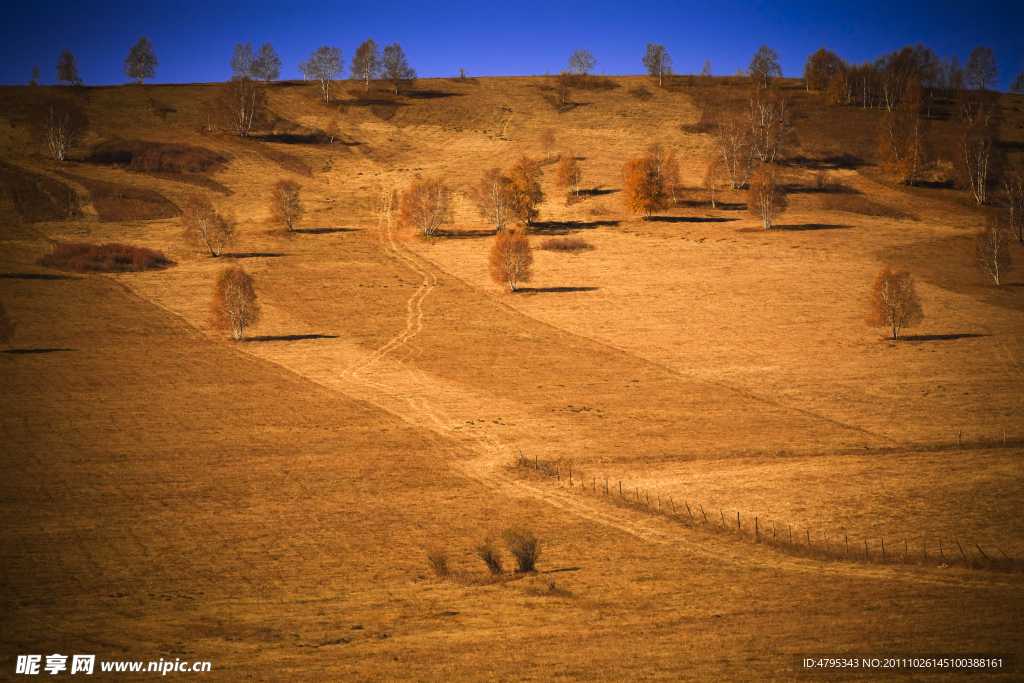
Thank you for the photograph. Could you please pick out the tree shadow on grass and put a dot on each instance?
(811, 226)
(431, 94)
(322, 231)
(37, 276)
(290, 337)
(254, 254)
(555, 290)
(20, 352)
(689, 219)
(565, 227)
(719, 206)
(939, 337)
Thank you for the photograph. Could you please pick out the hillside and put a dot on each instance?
(171, 492)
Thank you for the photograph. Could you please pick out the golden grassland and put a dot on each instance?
(169, 492)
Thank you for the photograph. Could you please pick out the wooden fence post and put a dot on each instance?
(906, 551)
(790, 533)
(962, 551)
(883, 550)
(570, 474)
(723, 516)
(620, 488)
(847, 537)
(595, 483)
(558, 473)
(866, 555)
(659, 502)
(826, 541)
(757, 531)
(688, 510)
(773, 529)
(808, 538)
(536, 462)
(606, 491)
(673, 504)
(941, 555)
(738, 522)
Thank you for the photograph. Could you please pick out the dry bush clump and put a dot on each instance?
(641, 93)
(82, 257)
(438, 559)
(571, 244)
(157, 157)
(491, 555)
(524, 547)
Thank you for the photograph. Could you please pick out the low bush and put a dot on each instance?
(82, 257)
(565, 244)
(523, 546)
(641, 93)
(490, 554)
(438, 559)
(157, 157)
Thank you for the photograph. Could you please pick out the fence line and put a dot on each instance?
(823, 550)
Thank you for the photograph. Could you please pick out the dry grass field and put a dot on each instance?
(268, 505)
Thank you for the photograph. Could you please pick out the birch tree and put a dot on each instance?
(511, 259)
(67, 68)
(141, 62)
(267, 66)
(59, 123)
(893, 301)
(243, 61)
(235, 306)
(201, 225)
(426, 205)
(991, 250)
(395, 67)
(657, 62)
(241, 105)
(366, 62)
(325, 64)
(493, 199)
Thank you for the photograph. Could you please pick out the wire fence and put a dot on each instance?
(782, 536)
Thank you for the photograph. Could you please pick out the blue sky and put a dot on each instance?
(194, 40)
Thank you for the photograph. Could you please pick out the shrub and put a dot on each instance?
(490, 554)
(157, 157)
(523, 546)
(438, 559)
(111, 257)
(641, 93)
(565, 244)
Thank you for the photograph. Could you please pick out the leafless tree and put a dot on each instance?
(712, 175)
(59, 123)
(547, 138)
(732, 137)
(569, 173)
(511, 259)
(395, 67)
(1012, 200)
(581, 62)
(769, 123)
(242, 105)
(991, 248)
(67, 68)
(234, 301)
(657, 62)
(366, 62)
(141, 62)
(1017, 87)
(285, 205)
(975, 136)
(6, 326)
(765, 198)
(202, 225)
(980, 70)
(325, 64)
(426, 205)
(243, 61)
(267, 66)
(900, 138)
(493, 199)
(894, 303)
(37, 73)
(705, 74)
(764, 66)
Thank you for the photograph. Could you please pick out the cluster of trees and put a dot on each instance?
(327, 64)
(650, 180)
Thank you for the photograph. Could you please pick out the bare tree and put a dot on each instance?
(366, 62)
(37, 73)
(1017, 87)
(523, 546)
(234, 301)
(493, 199)
(563, 81)
(267, 66)
(764, 66)
(894, 303)
(426, 205)
(59, 122)
(1012, 200)
(67, 68)
(569, 173)
(644, 190)
(705, 74)
(670, 175)
(547, 138)
(732, 137)
(511, 259)
(975, 136)
(524, 190)
(241, 105)
(395, 67)
(141, 62)
(284, 202)
(325, 64)
(657, 62)
(243, 61)
(769, 123)
(990, 248)
(6, 326)
(765, 198)
(201, 225)
(581, 62)
(712, 176)
(980, 70)
(900, 143)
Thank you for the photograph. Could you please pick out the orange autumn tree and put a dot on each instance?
(426, 205)
(511, 259)
(234, 301)
(894, 303)
(569, 173)
(644, 186)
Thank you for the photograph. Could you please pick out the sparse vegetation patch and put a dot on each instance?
(112, 257)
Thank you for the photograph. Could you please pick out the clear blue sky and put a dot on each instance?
(194, 40)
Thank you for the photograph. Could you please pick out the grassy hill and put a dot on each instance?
(168, 492)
